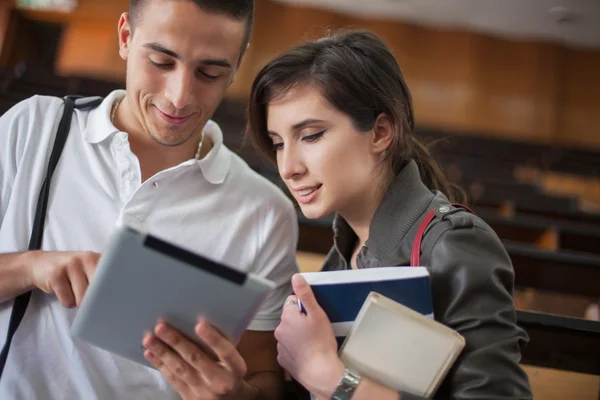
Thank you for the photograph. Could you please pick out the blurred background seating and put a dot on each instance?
(507, 95)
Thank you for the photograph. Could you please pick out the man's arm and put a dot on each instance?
(65, 274)
(14, 275)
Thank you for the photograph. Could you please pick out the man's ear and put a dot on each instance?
(124, 33)
(382, 134)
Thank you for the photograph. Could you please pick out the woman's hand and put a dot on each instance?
(306, 343)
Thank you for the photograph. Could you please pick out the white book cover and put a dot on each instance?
(400, 348)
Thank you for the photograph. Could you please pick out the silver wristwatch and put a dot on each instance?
(347, 385)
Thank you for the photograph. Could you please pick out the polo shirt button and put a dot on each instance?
(444, 209)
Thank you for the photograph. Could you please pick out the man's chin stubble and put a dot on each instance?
(171, 143)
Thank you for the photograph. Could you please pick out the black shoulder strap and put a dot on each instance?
(35, 241)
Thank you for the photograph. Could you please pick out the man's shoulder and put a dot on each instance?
(36, 115)
(33, 108)
(39, 103)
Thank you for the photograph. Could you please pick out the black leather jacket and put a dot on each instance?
(472, 284)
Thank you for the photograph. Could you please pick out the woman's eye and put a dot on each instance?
(314, 137)
(277, 146)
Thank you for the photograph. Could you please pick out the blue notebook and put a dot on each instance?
(341, 294)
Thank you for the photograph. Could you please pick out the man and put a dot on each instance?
(150, 157)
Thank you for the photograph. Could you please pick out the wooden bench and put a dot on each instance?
(561, 343)
(450, 146)
(543, 232)
(563, 272)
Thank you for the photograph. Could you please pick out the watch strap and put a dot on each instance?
(347, 385)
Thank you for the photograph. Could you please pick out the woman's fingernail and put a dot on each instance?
(150, 355)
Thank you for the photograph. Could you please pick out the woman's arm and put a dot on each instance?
(472, 284)
(366, 389)
(307, 349)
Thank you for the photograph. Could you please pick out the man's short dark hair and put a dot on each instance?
(237, 9)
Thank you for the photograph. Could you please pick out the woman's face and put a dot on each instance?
(327, 164)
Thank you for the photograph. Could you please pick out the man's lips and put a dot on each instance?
(172, 119)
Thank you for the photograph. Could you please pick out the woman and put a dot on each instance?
(336, 116)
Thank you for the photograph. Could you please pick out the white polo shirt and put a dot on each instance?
(217, 206)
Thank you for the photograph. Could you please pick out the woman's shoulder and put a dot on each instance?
(456, 234)
(455, 216)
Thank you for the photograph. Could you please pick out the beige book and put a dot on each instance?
(400, 348)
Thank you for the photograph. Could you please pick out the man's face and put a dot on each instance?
(180, 61)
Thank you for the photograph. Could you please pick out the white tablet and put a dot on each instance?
(141, 280)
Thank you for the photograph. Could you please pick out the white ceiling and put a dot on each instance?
(514, 19)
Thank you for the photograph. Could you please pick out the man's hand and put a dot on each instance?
(190, 370)
(64, 274)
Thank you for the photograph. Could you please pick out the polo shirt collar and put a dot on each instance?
(99, 126)
(214, 166)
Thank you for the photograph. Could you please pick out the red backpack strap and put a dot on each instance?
(415, 256)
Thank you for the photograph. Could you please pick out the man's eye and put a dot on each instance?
(160, 65)
(209, 76)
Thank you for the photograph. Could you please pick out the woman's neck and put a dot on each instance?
(360, 216)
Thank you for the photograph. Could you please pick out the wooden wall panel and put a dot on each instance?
(461, 81)
(19, 42)
(438, 69)
(5, 9)
(105, 9)
(516, 89)
(90, 47)
(580, 102)
(276, 28)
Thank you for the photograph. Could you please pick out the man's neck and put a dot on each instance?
(153, 156)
